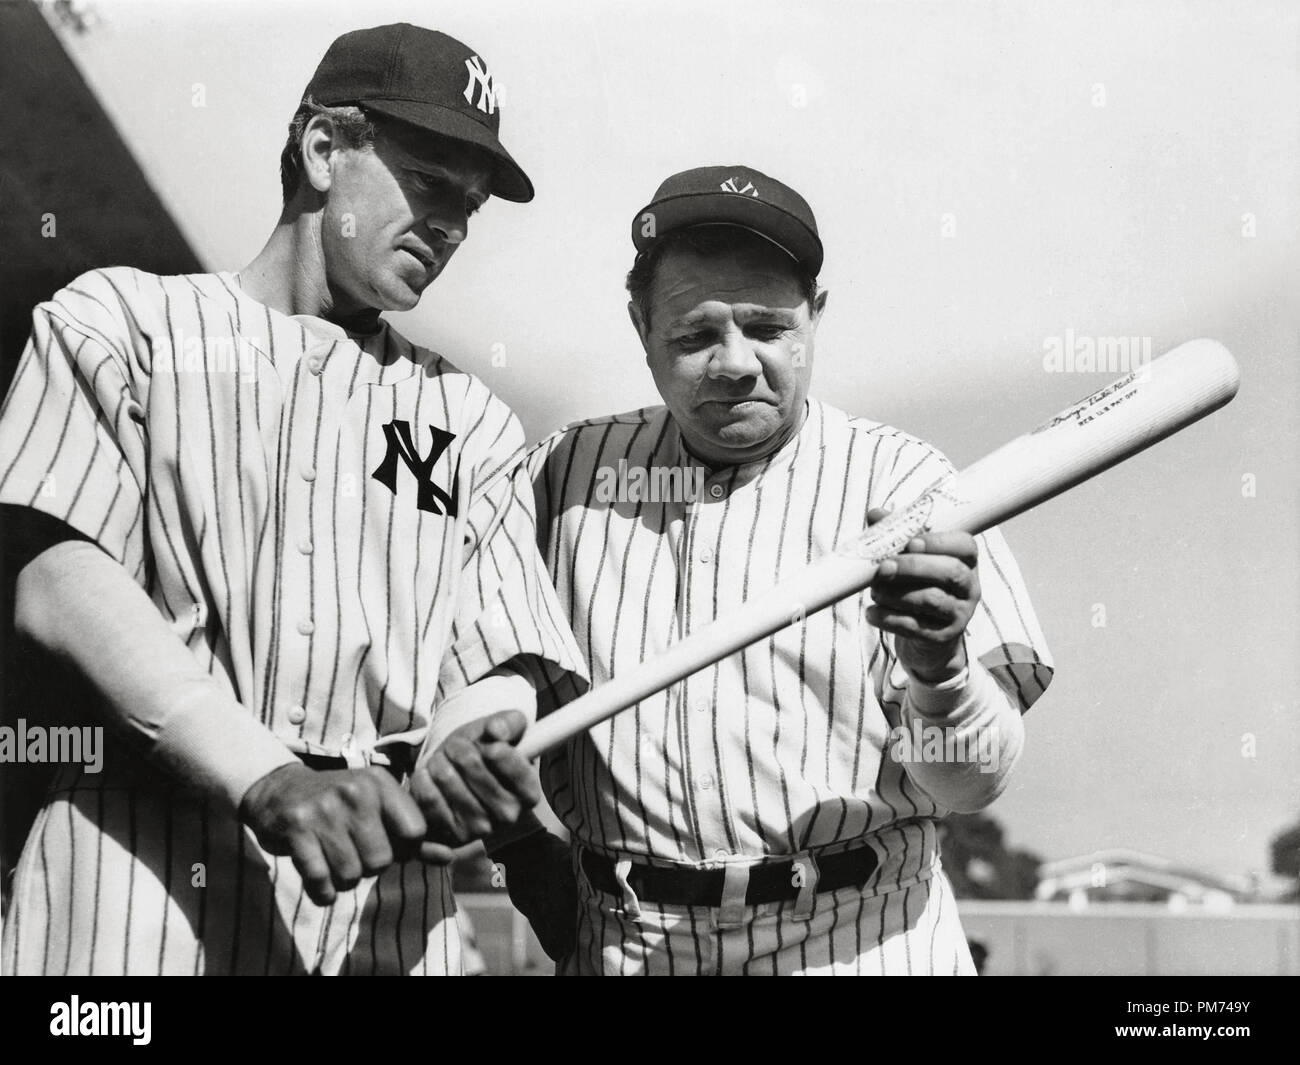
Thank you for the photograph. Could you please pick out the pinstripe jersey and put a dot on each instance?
(780, 748)
(340, 530)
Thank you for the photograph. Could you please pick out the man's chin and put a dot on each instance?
(740, 438)
(746, 424)
(399, 294)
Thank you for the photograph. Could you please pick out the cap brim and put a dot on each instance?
(724, 208)
(509, 181)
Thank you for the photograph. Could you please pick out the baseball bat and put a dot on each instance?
(1112, 424)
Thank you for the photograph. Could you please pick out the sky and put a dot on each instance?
(988, 179)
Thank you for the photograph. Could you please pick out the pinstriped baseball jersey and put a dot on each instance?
(780, 748)
(340, 530)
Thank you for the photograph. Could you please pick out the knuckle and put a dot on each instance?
(377, 862)
(298, 818)
(420, 785)
(413, 828)
(329, 805)
(351, 790)
(934, 600)
(457, 748)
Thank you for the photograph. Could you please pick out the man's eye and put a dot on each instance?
(692, 341)
(472, 207)
(766, 333)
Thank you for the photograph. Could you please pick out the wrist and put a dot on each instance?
(253, 798)
(525, 830)
(938, 668)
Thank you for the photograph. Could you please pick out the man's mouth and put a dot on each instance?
(422, 257)
(736, 401)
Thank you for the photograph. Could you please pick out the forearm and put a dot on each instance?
(540, 880)
(505, 688)
(960, 740)
(81, 605)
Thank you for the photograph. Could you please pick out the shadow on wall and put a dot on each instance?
(73, 198)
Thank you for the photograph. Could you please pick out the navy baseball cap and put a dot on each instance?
(732, 195)
(426, 79)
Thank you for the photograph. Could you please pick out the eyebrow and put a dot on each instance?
(696, 319)
(480, 187)
(783, 314)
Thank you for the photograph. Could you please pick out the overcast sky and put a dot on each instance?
(986, 178)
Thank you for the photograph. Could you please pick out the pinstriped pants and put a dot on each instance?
(119, 877)
(914, 930)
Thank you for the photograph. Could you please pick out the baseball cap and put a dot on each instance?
(733, 195)
(424, 78)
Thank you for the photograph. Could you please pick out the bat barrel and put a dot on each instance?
(1111, 425)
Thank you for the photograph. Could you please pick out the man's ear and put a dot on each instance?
(639, 323)
(819, 305)
(319, 141)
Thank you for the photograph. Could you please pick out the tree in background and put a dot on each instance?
(1286, 858)
(980, 865)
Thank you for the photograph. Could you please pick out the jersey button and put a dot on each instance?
(721, 854)
(297, 715)
(706, 556)
(305, 627)
(706, 782)
(315, 364)
(716, 491)
(305, 545)
(309, 473)
(701, 707)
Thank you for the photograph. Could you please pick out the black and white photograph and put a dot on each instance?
(651, 488)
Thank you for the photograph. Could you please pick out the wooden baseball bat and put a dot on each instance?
(1115, 422)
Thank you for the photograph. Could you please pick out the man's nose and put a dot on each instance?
(734, 357)
(448, 221)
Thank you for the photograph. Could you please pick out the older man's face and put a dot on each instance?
(396, 214)
(730, 345)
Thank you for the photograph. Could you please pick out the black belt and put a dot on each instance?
(770, 882)
(402, 758)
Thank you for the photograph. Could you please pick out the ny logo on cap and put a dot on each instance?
(479, 75)
(730, 186)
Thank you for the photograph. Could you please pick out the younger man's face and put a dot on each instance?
(395, 214)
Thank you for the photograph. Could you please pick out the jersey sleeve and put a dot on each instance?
(1004, 634)
(543, 466)
(507, 612)
(72, 437)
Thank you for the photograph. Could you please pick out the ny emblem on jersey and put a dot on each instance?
(731, 185)
(479, 75)
(401, 446)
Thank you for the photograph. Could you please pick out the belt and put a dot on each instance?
(402, 758)
(769, 882)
